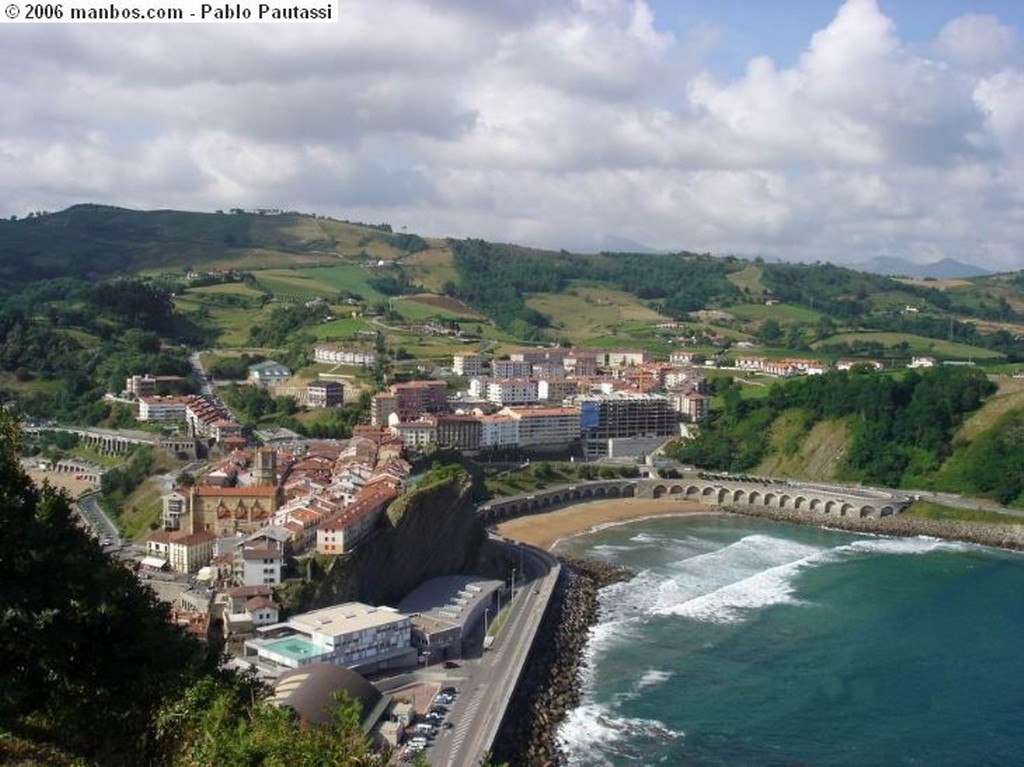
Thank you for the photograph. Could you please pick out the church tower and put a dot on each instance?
(265, 468)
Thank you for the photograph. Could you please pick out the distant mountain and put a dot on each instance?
(612, 244)
(946, 269)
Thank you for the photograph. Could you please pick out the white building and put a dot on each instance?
(162, 409)
(546, 426)
(261, 563)
(352, 634)
(467, 364)
(512, 391)
(510, 369)
(498, 431)
(184, 552)
(269, 373)
(334, 355)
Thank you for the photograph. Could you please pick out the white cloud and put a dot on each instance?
(552, 122)
(977, 40)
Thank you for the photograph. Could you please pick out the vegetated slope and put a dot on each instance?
(900, 428)
(803, 449)
(94, 241)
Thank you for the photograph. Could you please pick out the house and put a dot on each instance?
(922, 362)
(185, 552)
(269, 373)
(324, 393)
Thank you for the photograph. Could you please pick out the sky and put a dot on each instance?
(793, 129)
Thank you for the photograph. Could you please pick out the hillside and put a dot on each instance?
(526, 294)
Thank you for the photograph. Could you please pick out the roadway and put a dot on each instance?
(483, 697)
(89, 509)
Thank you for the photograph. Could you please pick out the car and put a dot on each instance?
(450, 664)
(449, 690)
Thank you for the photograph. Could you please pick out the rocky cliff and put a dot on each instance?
(429, 530)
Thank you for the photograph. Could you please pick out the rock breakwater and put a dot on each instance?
(1004, 536)
(550, 684)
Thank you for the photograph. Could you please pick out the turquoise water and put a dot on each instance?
(293, 647)
(744, 642)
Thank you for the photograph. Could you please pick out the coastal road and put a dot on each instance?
(89, 509)
(480, 708)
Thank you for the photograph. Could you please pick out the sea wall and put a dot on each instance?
(1005, 536)
(550, 684)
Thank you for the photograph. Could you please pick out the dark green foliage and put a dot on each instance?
(88, 654)
(254, 403)
(230, 722)
(897, 425)
(118, 483)
(284, 326)
(233, 368)
(496, 279)
(993, 464)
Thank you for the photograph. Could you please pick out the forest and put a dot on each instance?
(901, 426)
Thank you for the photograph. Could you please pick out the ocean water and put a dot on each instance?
(746, 642)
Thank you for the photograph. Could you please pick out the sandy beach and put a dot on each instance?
(545, 530)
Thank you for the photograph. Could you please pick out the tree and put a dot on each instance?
(88, 654)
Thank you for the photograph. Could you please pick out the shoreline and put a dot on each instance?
(544, 699)
(548, 529)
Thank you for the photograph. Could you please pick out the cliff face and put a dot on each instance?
(429, 531)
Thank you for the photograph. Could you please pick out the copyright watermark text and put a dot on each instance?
(133, 11)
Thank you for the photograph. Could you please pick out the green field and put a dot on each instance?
(243, 289)
(321, 281)
(918, 345)
(784, 314)
(585, 311)
(344, 327)
(749, 279)
(416, 311)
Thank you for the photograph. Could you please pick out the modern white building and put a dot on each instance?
(467, 365)
(353, 634)
(512, 391)
(334, 355)
(510, 369)
(498, 431)
(550, 427)
(162, 409)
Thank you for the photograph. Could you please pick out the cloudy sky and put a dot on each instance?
(797, 129)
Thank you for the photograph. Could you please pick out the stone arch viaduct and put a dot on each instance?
(827, 500)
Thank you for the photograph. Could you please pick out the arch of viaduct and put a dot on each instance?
(856, 502)
(112, 442)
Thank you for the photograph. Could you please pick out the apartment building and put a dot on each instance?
(324, 393)
(338, 355)
(467, 365)
(546, 427)
(498, 431)
(511, 369)
(155, 409)
(512, 391)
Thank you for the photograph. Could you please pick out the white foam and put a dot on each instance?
(592, 733)
(917, 545)
(733, 602)
(652, 677)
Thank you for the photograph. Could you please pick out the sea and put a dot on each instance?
(747, 642)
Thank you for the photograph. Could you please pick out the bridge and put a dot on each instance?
(122, 441)
(827, 500)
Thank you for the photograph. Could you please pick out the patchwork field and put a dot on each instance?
(918, 345)
(584, 311)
